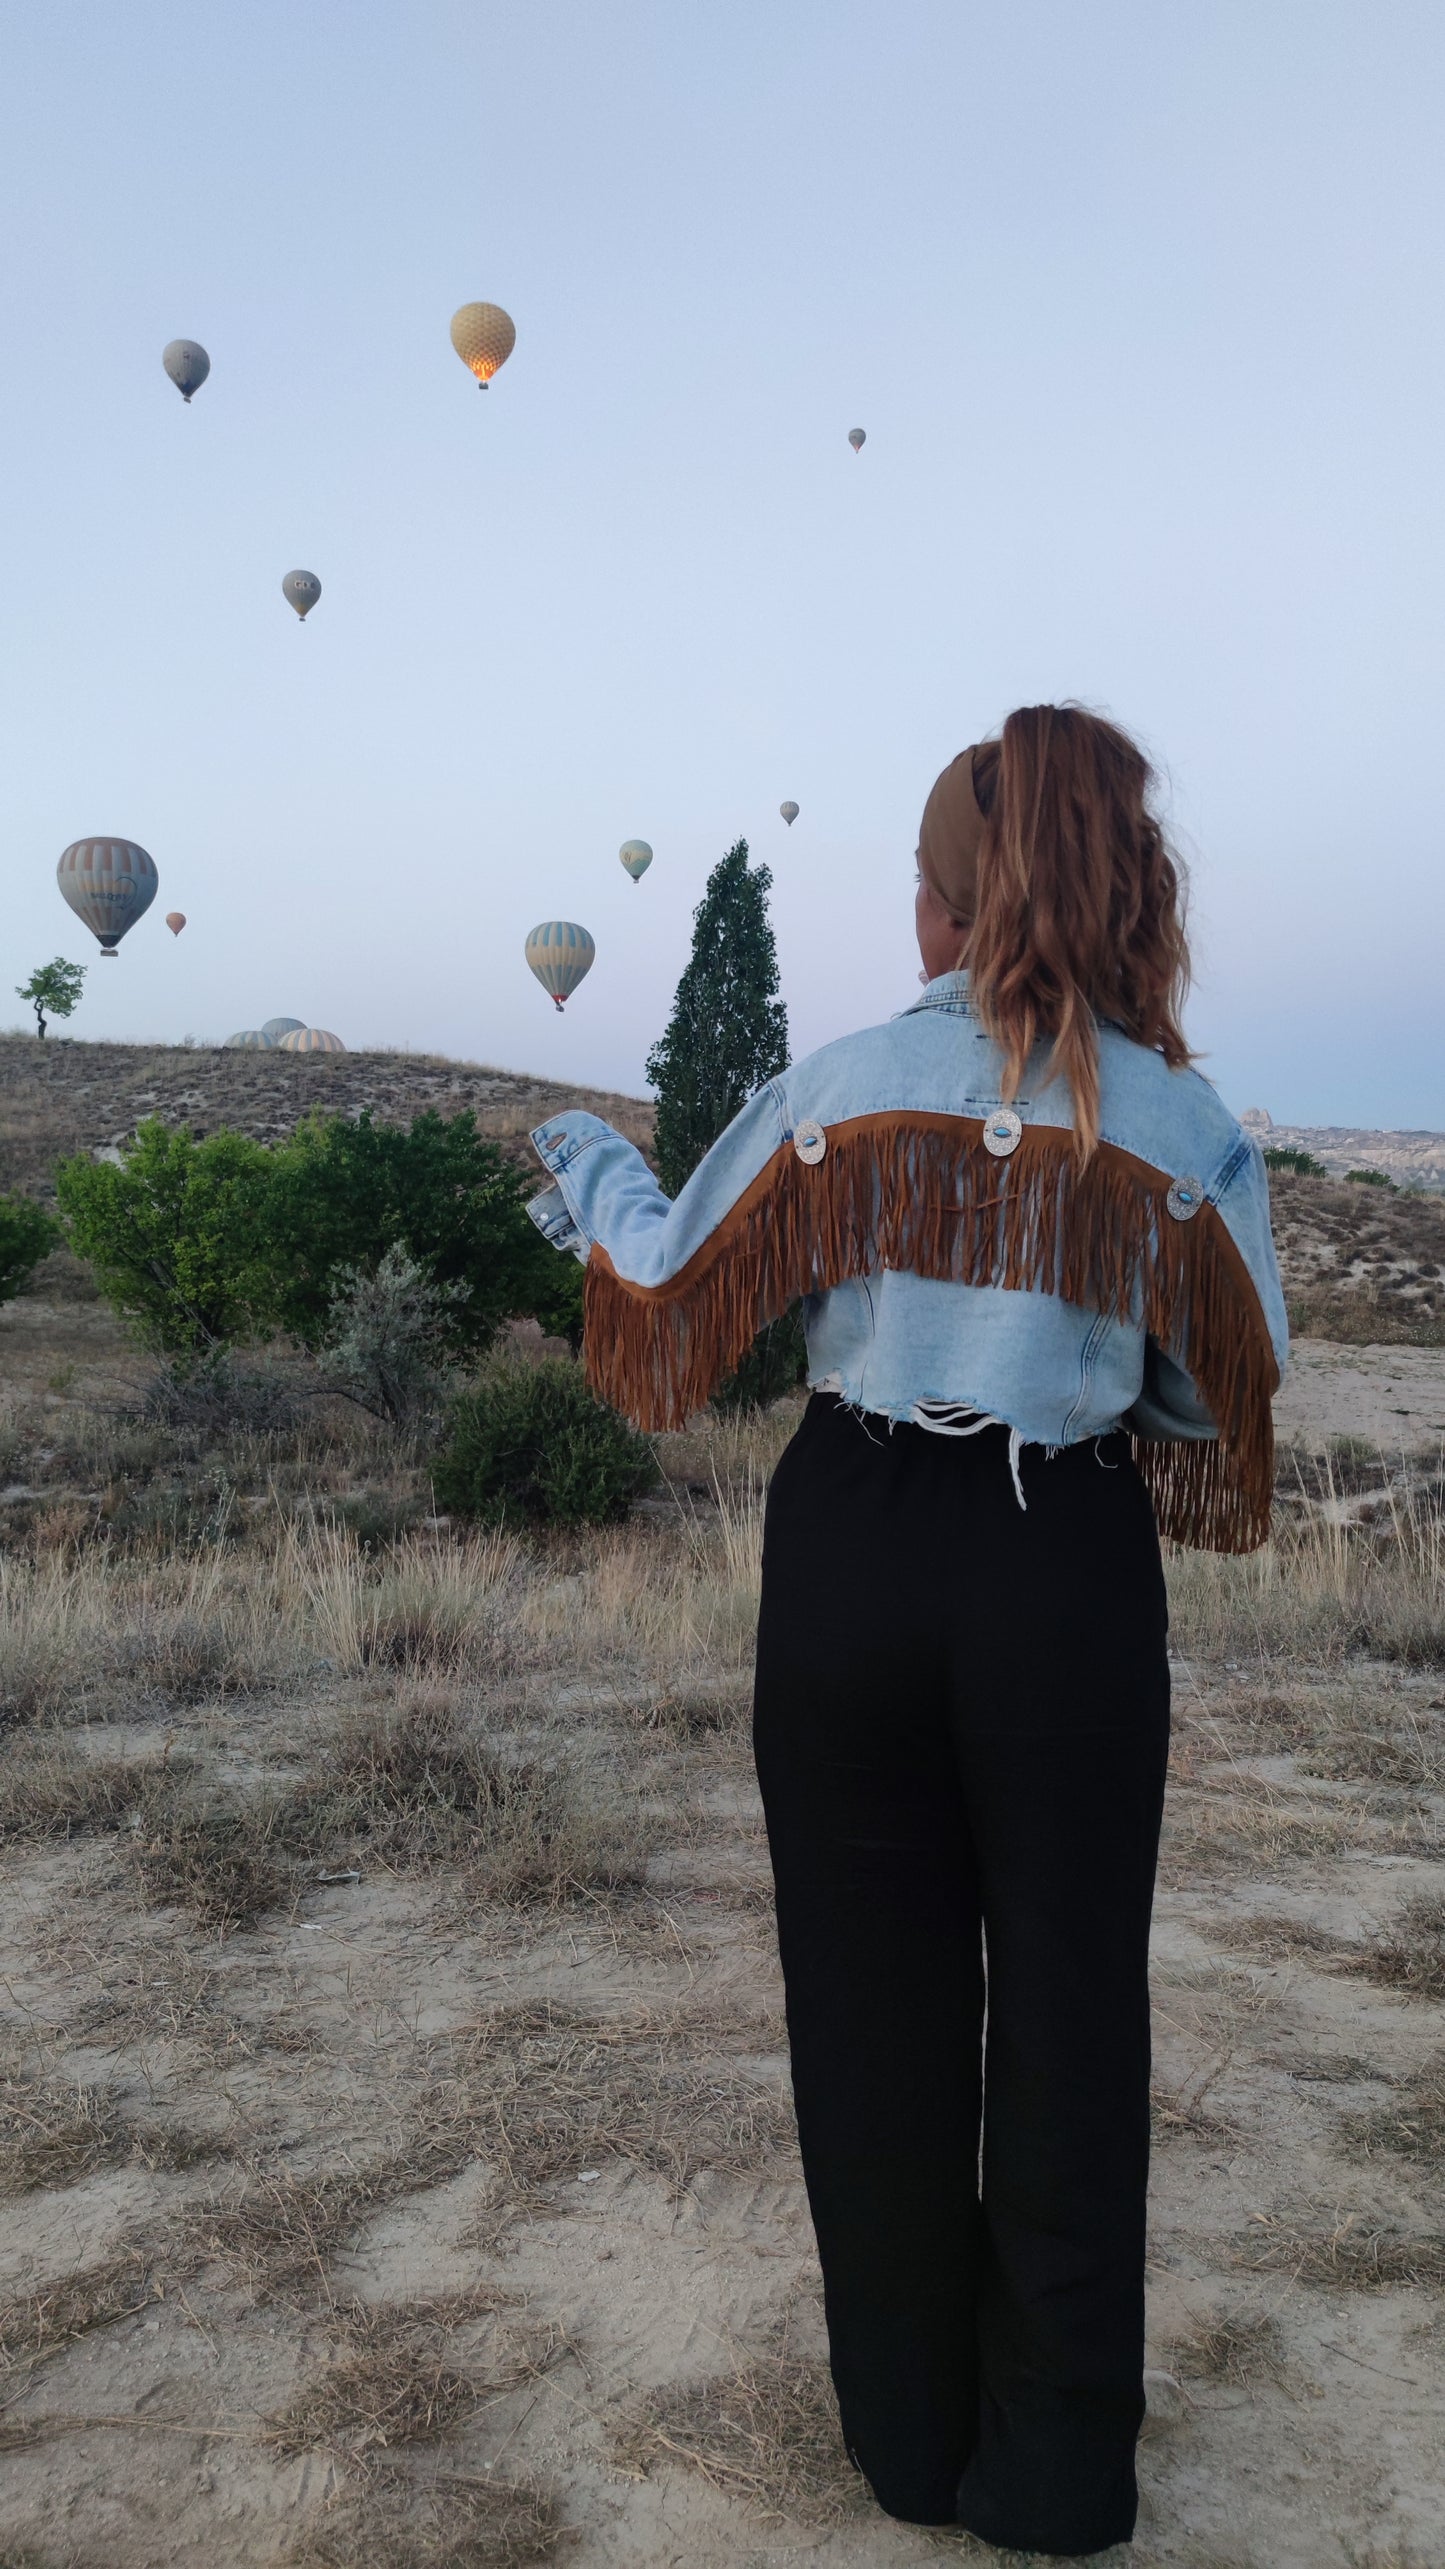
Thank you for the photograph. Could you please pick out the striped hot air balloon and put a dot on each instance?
(276, 1027)
(561, 955)
(254, 1040)
(636, 855)
(109, 883)
(309, 1039)
(483, 336)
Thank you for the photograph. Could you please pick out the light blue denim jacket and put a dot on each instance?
(1054, 1364)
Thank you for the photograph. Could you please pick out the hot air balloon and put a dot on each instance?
(276, 1027)
(108, 883)
(483, 336)
(789, 812)
(187, 364)
(561, 955)
(175, 921)
(857, 437)
(253, 1041)
(636, 855)
(309, 1039)
(301, 589)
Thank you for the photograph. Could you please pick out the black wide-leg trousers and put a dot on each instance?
(961, 1723)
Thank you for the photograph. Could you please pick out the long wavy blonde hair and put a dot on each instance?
(1080, 907)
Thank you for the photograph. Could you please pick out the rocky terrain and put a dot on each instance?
(1410, 1159)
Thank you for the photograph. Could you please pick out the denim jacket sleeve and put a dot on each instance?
(1169, 1404)
(604, 1194)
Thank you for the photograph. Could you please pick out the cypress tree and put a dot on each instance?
(728, 1032)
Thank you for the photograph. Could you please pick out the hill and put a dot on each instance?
(63, 1096)
(1360, 1264)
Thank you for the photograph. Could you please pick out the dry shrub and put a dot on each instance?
(450, 2523)
(554, 2093)
(1235, 2347)
(418, 1783)
(36, 2325)
(1411, 2126)
(409, 2373)
(1353, 2257)
(767, 2432)
(53, 2135)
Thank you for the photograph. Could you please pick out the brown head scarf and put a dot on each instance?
(949, 837)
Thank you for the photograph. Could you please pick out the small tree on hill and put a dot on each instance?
(55, 987)
(728, 1032)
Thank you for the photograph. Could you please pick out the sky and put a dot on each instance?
(1142, 308)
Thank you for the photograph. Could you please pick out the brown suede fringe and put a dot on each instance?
(919, 1194)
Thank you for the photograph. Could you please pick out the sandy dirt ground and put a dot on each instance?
(1392, 1397)
(584, 2274)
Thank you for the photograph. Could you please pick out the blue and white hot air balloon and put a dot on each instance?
(561, 955)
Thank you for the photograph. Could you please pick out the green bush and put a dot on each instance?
(1298, 1163)
(26, 1233)
(176, 1235)
(342, 1194)
(531, 1441)
(1369, 1177)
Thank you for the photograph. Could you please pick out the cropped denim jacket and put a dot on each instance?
(951, 1251)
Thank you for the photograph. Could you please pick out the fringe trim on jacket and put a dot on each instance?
(918, 1193)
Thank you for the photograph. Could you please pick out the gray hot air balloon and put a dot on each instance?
(276, 1027)
(636, 855)
(187, 364)
(109, 883)
(857, 437)
(301, 589)
(789, 812)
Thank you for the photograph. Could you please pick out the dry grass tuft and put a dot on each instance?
(36, 2325)
(417, 1783)
(53, 2135)
(49, 1788)
(767, 2432)
(1238, 2347)
(1353, 2257)
(558, 2093)
(1411, 1956)
(276, 2232)
(451, 2523)
(219, 1853)
(1411, 2126)
(409, 2373)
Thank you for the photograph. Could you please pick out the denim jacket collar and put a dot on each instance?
(945, 990)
